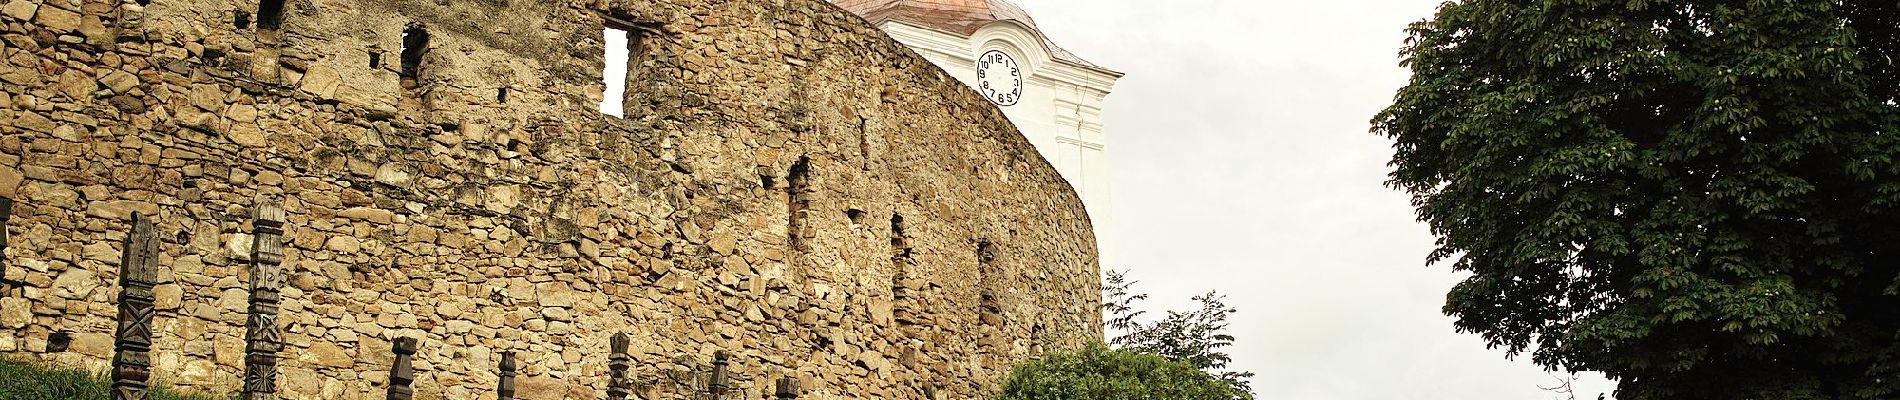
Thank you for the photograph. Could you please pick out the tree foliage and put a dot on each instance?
(1697, 198)
(1196, 337)
(1097, 372)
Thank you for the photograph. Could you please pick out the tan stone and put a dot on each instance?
(119, 82)
(555, 294)
(120, 209)
(20, 9)
(169, 296)
(15, 312)
(321, 81)
(343, 244)
(327, 355)
(375, 215)
(207, 97)
(75, 284)
(58, 19)
(247, 135)
(10, 179)
(33, 121)
(94, 344)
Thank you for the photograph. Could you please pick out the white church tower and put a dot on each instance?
(1052, 95)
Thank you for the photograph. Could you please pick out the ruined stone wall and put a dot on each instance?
(788, 184)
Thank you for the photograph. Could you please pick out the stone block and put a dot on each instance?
(20, 9)
(57, 19)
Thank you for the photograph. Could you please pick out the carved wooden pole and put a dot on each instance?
(787, 389)
(138, 272)
(262, 341)
(718, 383)
(506, 389)
(619, 366)
(6, 213)
(402, 373)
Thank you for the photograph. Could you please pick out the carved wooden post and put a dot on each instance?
(138, 272)
(262, 341)
(506, 389)
(6, 213)
(402, 373)
(787, 389)
(619, 366)
(718, 383)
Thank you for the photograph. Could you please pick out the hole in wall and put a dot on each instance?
(375, 59)
(243, 20)
(900, 241)
(796, 201)
(856, 216)
(270, 14)
(501, 95)
(58, 342)
(767, 181)
(415, 42)
(618, 66)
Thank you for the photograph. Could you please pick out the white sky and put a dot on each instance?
(1241, 161)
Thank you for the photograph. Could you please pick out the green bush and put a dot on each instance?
(30, 381)
(1097, 372)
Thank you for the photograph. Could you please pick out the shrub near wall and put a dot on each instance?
(1097, 372)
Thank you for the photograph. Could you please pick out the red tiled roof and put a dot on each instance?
(963, 17)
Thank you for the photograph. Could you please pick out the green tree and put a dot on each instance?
(1097, 372)
(1697, 198)
(1196, 337)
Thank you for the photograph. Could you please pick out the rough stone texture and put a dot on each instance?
(535, 225)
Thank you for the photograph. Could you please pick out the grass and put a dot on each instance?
(31, 381)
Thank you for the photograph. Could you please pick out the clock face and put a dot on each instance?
(999, 78)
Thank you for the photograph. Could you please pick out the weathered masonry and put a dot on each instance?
(328, 180)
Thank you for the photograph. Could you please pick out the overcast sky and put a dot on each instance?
(1242, 162)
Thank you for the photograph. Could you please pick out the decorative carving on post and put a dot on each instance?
(787, 389)
(262, 341)
(719, 383)
(402, 373)
(6, 213)
(506, 389)
(620, 366)
(138, 273)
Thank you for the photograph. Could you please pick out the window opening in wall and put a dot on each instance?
(900, 241)
(270, 14)
(618, 65)
(988, 278)
(501, 95)
(375, 59)
(856, 216)
(243, 20)
(57, 342)
(415, 42)
(796, 201)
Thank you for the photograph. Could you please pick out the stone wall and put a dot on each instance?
(788, 184)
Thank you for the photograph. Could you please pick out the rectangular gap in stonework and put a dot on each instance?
(900, 241)
(796, 202)
(618, 66)
(270, 14)
(415, 42)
